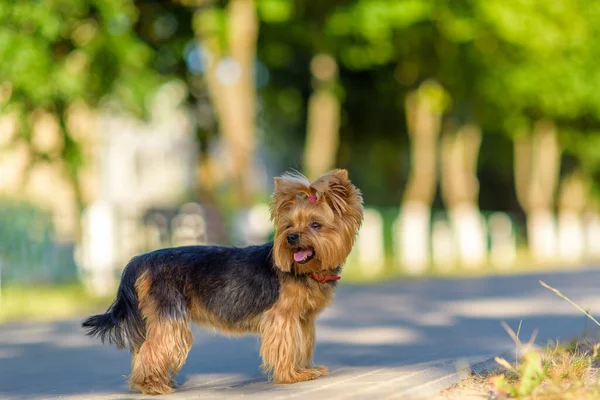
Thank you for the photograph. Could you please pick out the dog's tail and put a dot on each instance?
(122, 324)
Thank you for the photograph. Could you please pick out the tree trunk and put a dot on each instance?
(537, 166)
(322, 136)
(424, 108)
(460, 192)
(592, 231)
(574, 192)
(230, 80)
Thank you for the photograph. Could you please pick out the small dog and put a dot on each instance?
(275, 290)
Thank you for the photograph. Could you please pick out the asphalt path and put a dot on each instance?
(379, 341)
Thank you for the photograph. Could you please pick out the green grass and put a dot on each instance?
(45, 302)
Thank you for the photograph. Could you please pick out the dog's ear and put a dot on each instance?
(288, 188)
(343, 197)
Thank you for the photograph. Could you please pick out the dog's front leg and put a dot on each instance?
(284, 348)
(309, 335)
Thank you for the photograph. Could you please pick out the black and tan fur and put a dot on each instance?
(257, 289)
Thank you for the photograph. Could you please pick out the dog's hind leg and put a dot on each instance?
(180, 347)
(168, 338)
(161, 357)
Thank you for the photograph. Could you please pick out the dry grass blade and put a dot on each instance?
(511, 332)
(559, 294)
(504, 363)
(531, 340)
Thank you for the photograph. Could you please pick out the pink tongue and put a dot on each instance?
(302, 254)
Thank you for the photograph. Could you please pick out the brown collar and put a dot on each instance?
(324, 278)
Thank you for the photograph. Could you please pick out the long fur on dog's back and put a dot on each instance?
(122, 324)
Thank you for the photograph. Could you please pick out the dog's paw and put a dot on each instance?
(322, 370)
(301, 375)
(151, 387)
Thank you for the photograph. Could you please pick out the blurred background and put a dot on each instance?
(471, 126)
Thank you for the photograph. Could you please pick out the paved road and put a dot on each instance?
(383, 341)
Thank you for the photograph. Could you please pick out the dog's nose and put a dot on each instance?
(293, 238)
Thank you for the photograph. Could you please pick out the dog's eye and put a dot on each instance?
(315, 225)
(288, 227)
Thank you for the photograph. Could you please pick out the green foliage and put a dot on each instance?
(275, 10)
(56, 53)
(64, 50)
(368, 29)
(519, 56)
(547, 50)
(503, 64)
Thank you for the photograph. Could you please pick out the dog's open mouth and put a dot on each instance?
(302, 256)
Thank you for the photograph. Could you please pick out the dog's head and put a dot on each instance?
(315, 223)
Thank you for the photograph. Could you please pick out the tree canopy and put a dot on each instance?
(504, 66)
(57, 54)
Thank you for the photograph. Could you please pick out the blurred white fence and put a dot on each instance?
(113, 235)
(381, 247)
(31, 252)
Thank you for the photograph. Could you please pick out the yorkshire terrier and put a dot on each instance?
(275, 290)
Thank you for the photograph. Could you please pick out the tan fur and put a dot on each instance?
(288, 332)
(287, 329)
(338, 209)
(165, 349)
(202, 316)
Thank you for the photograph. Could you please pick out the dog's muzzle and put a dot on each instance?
(293, 238)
